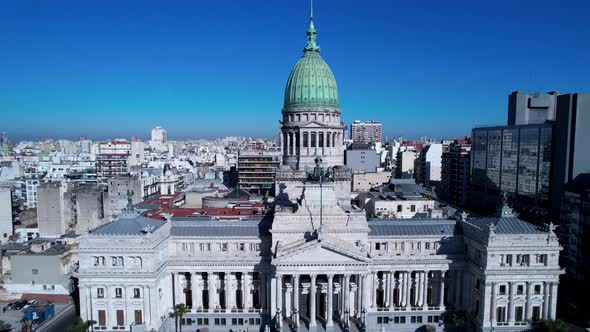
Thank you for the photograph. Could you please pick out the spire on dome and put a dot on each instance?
(311, 34)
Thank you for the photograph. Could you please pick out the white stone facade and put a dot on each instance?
(285, 271)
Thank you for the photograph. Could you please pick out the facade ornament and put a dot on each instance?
(464, 216)
(551, 236)
(319, 173)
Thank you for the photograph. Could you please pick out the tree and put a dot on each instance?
(455, 318)
(81, 326)
(550, 325)
(178, 311)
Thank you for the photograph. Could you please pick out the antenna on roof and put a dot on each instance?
(311, 11)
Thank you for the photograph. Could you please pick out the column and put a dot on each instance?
(300, 145)
(511, 302)
(553, 303)
(385, 286)
(283, 142)
(425, 289)
(419, 287)
(528, 309)
(493, 304)
(402, 289)
(346, 297)
(197, 299)
(228, 295)
(279, 297)
(366, 295)
(246, 290)
(545, 307)
(391, 285)
(441, 300)
(288, 147)
(309, 143)
(312, 290)
(212, 291)
(330, 299)
(296, 299)
(374, 290)
(288, 300)
(408, 290)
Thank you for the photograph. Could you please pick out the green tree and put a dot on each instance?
(178, 311)
(81, 326)
(456, 319)
(551, 325)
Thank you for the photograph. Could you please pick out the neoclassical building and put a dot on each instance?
(313, 261)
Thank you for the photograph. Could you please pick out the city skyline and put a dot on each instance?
(73, 69)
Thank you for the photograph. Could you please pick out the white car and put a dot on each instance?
(32, 302)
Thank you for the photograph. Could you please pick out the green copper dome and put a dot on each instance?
(311, 82)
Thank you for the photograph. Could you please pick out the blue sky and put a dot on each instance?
(215, 68)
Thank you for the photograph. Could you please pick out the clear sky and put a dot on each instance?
(215, 68)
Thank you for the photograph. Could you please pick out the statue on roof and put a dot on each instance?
(319, 173)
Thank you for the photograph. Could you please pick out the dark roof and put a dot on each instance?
(220, 229)
(128, 226)
(505, 225)
(410, 227)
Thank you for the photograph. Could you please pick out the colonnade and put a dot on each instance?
(220, 291)
(311, 142)
(329, 297)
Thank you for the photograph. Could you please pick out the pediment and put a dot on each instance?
(313, 124)
(322, 252)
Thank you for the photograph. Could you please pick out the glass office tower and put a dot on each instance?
(515, 160)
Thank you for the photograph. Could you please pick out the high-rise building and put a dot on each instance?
(456, 161)
(6, 220)
(404, 163)
(368, 132)
(531, 108)
(159, 135)
(112, 158)
(515, 160)
(257, 170)
(532, 161)
(427, 165)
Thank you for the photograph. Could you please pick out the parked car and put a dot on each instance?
(32, 302)
(9, 306)
(20, 304)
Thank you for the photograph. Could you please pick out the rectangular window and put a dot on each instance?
(520, 289)
(224, 247)
(100, 293)
(137, 317)
(120, 318)
(519, 314)
(537, 289)
(35, 271)
(399, 208)
(502, 290)
(102, 318)
(413, 208)
(136, 293)
(508, 259)
(536, 313)
(118, 293)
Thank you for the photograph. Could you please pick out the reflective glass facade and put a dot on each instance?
(515, 159)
